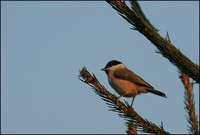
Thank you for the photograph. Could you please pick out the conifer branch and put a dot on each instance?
(192, 118)
(137, 19)
(131, 128)
(124, 109)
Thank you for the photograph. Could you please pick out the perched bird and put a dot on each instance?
(125, 82)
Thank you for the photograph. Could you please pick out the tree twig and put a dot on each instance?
(136, 17)
(192, 118)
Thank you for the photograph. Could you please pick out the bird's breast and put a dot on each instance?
(123, 87)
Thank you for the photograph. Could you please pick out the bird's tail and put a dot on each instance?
(157, 92)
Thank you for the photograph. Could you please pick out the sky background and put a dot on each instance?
(45, 44)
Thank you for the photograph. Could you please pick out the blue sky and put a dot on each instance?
(45, 44)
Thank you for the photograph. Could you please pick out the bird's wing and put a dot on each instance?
(128, 75)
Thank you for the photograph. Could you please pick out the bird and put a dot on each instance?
(125, 82)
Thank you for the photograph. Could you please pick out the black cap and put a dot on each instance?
(110, 64)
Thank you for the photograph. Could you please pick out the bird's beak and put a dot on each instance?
(103, 69)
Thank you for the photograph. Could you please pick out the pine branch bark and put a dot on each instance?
(131, 128)
(136, 17)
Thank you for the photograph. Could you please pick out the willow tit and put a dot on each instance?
(125, 82)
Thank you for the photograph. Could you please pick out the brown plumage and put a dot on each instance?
(125, 82)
